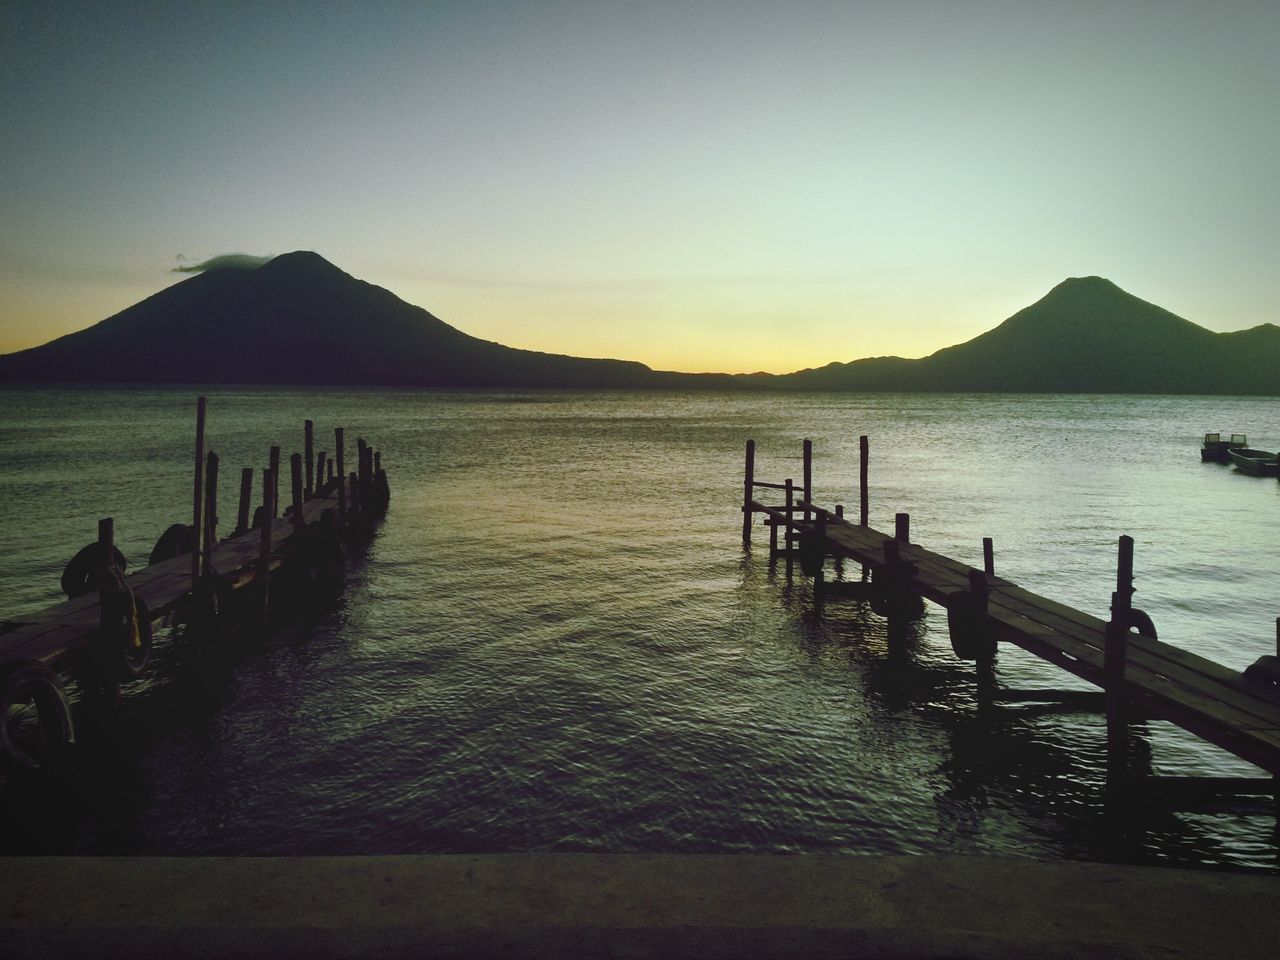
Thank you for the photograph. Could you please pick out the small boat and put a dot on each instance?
(1218, 450)
(1259, 463)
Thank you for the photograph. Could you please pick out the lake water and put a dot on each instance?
(556, 641)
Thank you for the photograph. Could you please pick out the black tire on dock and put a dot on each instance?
(962, 625)
(174, 542)
(122, 645)
(80, 576)
(27, 685)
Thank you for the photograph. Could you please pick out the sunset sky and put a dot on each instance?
(726, 186)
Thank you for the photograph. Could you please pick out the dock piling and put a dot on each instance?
(342, 480)
(264, 540)
(988, 557)
(197, 522)
(902, 527)
(748, 490)
(309, 453)
(106, 538)
(808, 479)
(320, 462)
(211, 505)
(1115, 654)
(789, 487)
(862, 479)
(273, 511)
(246, 497)
(295, 472)
(986, 643)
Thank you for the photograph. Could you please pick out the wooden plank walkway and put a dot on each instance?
(53, 634)
(1142, 675)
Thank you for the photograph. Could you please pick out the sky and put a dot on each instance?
(718, 185)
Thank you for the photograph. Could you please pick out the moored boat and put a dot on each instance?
(1219, 450)
(1259, 463)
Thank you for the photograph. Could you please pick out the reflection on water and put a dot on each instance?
(556, 642)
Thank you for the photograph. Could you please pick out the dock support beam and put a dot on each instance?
(748, 488)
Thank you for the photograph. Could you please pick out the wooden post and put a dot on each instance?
(748, 489)
(295, 471)
(902, 527)
(274, 510)
(320, 462)
(246, 494)
(264, 539)
(211, 505)
(988, 557)
(309, 453)
(362, 451)
(353, 484)
(839, 560)
(329, 473)
(377, 462)
(342, 481)
(862, 479)
(197, 523)
(1114, 657)
(820, 532)
(986, 660)
(808, 478)
(894, 595)
(107, 539)
(786, 540)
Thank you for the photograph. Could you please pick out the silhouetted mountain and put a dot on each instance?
(1086, 335)
(298, 319)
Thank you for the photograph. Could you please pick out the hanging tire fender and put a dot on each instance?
(80, 576)
(29, 681)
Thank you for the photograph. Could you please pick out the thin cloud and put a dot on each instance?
(225, 261)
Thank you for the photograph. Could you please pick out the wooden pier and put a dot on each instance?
(1139, 675)
(101, 635)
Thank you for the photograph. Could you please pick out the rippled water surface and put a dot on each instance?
(556, 642)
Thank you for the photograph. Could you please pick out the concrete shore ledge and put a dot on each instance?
(628, 905)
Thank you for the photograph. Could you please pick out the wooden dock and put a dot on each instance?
(102, 636)
(1140, 676)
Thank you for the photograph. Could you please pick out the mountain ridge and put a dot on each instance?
(300, 320)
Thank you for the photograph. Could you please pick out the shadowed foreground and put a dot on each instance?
(628, 906)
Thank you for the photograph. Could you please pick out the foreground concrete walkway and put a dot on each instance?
(556, 905)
